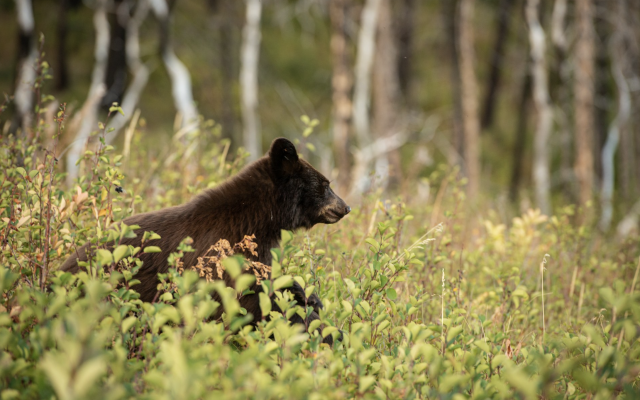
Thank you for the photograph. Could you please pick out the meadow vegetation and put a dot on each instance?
(435, 298)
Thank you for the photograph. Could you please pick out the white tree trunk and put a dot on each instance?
(545, 114)
(249, 57)
(139, 71)
(23, 95)
(363, 70)
(557, 24)
(469, 93)
(87, 118)
(584, 97)
(178, 72)
(619, 64)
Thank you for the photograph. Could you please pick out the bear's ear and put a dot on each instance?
(284, 156)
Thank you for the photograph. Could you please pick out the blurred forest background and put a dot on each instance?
(535, 100)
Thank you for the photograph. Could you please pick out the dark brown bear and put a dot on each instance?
(278, 191)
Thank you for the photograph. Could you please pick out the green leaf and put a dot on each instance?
(265, 304)
(282, 282)
(391, 294)
(365, 383)
(244, 282)
(315, 324)
(152, 249)
(329, 330)
(103, 257)
(232, 266)
(375, 246)
(128, 323)
(120, 252)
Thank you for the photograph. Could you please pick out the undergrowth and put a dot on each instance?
(433, 299)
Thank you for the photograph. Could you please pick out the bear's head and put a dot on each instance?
(306, 193)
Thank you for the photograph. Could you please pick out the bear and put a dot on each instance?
(278, 191)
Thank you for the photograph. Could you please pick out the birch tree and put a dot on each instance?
(619, 64)
(26, 68)
(545, 114)
(496, 66)
(178, 72)
(87, 119)
(138, 70)
(469, 92)
(249, 57)
(364, 64)
(386, 93)
(584, 97)
(449, 15)
(341, 83)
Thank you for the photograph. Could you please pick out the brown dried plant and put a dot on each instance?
(210, 266)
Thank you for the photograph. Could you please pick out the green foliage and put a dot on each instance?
(446, 309)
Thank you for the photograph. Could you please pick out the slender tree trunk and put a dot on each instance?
(541, 163)
(629, 160)
(250, 55)
(469, 92)
(561, 96)
(62, 71)
(602, 88)
(138, 70)
(405, 29)
(521, 137)
(502, 32)
(386, 94)
(223, 21)
(178, 72)
(341, 83)
(87, 118)
(116, 77)
(619, 63)
(449, 12)
(584, 97)
(25, 68)
(364, 64)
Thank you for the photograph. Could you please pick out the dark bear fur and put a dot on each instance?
(278, 191)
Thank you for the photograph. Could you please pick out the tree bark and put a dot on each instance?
(25, 68)
(62, 70)
(386, 94)
(364, 64)
(86, 119)
(619, 65)
(584, 97)
(116, 75)
(469, 92)
(405, 29)
(602, 88)
(341, 83)
(223, 22)
(178, 72)
(250, 55)
(521, 137)
(502, 32)
(138, 70)
(560, 93)
(449, 13)
(541, 163)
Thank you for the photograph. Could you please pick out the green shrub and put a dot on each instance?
(433, 300)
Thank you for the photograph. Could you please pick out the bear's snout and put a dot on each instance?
(335, 210)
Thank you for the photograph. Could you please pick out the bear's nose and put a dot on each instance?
(347, 210)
